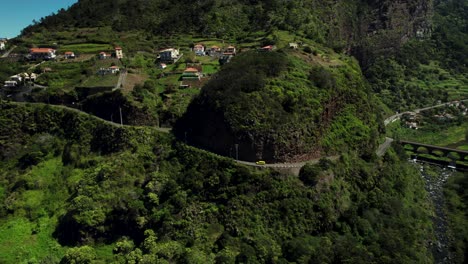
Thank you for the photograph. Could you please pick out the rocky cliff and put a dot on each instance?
(384, 26)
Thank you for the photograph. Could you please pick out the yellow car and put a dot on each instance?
(260, 162)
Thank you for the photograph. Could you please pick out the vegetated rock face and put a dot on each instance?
(276, 107)
(110, 105)
(386, 25)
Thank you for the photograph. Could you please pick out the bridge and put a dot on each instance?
(431, 149)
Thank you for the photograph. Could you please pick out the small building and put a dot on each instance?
(69, 55)
(215, 49)
(110, 70)
(42, 54)
(2, 45)
(118, 52)
(162, 65)
(114, 69)
(230, 50)
(199, 50)
(191, 74)
(293, 45)
(17, 78)
(169, 55)
(10, 84)
(103, 55)
(29, 77)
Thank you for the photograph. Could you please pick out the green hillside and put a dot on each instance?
(76, 186)
(79, 190)
(283, 105)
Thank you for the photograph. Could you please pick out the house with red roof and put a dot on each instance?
(199, 50)
(103, 55)
(69, 55)
(191, 73)
(42, 54)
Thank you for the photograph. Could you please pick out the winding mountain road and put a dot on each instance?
(296, 165)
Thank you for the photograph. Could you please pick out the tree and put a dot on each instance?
(79, 255)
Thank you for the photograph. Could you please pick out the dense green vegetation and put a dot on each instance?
(456, 195)
(78, 188)
(233, 19)
(430, 69)
(280, 105)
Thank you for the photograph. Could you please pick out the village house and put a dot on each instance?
(29, 77)
(41, 54)
(118, 52)
(162, 65)
(2, 44)
(17, 78)
(199, 50)
(215, 49)
(230, 50)
(293, 45)
(191, 73)
(10, 84)
(69, 55)
(110, 70)
(103, 55)
(169, 55)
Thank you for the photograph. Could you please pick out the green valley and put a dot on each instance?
(155, 131)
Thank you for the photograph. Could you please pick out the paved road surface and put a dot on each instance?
(121, 80)
(398, 116)
(6, 54)
(380, 150)
(384, 146)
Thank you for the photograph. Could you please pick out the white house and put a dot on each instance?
(29, 77)
(9, 84)
(118, 52)
(69, 55)
(169, 55)
(110, 70)
(17, 78)
(2, 45)
(230, 50)
(199, 49)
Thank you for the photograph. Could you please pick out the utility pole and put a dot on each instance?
(237, 151)
(121, 121)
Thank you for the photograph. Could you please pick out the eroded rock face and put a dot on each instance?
(385, 25)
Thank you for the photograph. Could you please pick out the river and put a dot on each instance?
(435, 177)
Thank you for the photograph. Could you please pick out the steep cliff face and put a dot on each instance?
(384, 26)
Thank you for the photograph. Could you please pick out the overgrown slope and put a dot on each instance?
(128, 198)
(282, 106)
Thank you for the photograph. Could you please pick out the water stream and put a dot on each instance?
(435, 177)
